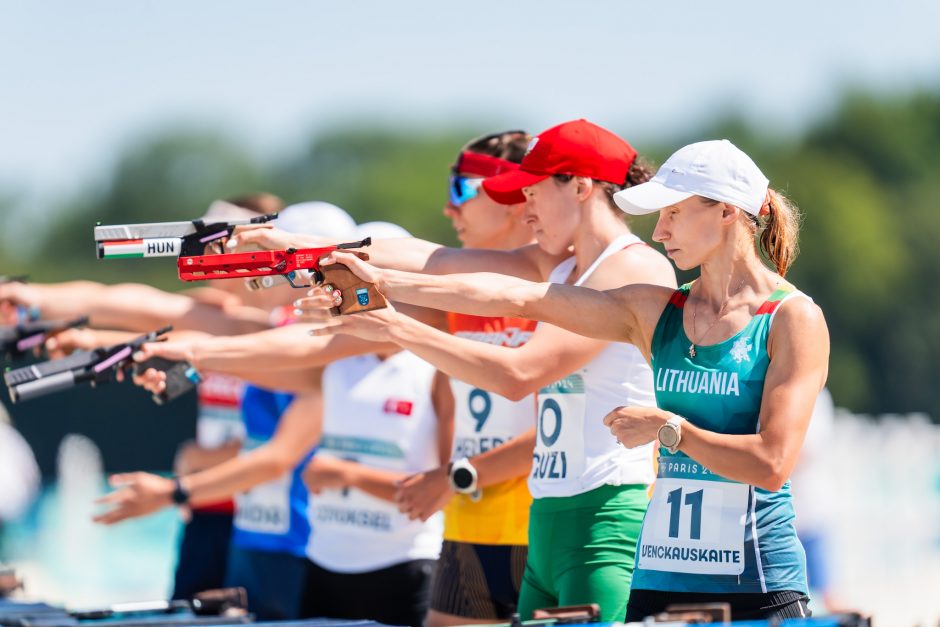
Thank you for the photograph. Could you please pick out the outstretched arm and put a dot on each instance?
(284, 348)
(131, 306)
(611, 314)
(140, 493)
(550, 354)
(411, 254)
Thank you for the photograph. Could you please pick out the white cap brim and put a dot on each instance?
(648, 197)
(223, 211)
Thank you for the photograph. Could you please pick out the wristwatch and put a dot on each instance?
(463, 478)
(180, 495)
(670, 434)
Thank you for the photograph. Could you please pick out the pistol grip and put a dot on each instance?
(358, 295)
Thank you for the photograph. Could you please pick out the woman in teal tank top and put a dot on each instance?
(738, 359)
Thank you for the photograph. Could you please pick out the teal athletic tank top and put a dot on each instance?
(703, 532)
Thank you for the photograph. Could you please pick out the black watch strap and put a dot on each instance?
(180, 496)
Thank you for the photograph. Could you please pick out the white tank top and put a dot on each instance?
(377, 413)
(574, 451)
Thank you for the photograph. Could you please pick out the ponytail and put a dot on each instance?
(780, 231)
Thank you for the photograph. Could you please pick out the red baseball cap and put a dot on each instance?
(579, 148)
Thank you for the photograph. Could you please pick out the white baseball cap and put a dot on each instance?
(316, 218)
(714, 169)
(380, 230)
(223, 211)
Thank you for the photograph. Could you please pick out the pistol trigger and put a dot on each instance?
(290, 276)
(317, 276)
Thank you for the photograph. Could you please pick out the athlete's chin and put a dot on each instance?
(680, 260)
(552, 247)
(469, 241)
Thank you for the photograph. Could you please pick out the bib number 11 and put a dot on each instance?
(694, 501)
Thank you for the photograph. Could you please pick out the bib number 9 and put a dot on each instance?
(480, 405)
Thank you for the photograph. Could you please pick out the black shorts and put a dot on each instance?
(397, 595)
(768, 606)
(203, 554)
(478, 581)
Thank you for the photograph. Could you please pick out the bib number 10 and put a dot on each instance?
(694, 501)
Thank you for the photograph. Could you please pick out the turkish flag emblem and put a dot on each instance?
(395, 406)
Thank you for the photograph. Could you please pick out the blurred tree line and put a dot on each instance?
(863, 177)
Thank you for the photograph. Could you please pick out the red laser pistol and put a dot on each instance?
(165, 239)
(289, 263)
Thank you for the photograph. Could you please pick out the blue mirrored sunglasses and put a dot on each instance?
(462, 189)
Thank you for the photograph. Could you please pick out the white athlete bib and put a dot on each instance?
(485, 420)
(266, 507)
(559, 446)
(694, 525)
(354, 514)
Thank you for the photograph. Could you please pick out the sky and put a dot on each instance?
(80, 80)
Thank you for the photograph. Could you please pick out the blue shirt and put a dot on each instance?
(271, 516)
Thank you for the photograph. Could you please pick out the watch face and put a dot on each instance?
(667, 436)
(463, 478)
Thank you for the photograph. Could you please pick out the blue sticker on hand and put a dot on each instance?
(362, 295)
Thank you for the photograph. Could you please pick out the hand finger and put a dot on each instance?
(326, 330)
(248, 234)
(123, 478)
(143, 353)
(411, 480)
(156, 381)
(118, 496)
(111, 517)
(314, 302)
(611, 416)
(314, 320)
(324, 289)
(321, 296)
(358, 267)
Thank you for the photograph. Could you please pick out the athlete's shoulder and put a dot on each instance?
(798, 323)
(793, 309)
(543, 261)
(636, 264)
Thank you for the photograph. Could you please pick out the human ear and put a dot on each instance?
(583, 187)
(729, 213)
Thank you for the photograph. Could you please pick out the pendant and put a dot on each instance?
(691, 351)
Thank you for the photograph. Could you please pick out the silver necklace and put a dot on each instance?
(721, 313)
